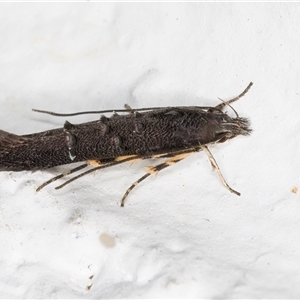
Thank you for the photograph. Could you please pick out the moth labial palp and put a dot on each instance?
(169, 133)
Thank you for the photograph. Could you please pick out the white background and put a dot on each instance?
(181, 233)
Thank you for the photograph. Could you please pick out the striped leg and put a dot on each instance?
(98, 165)
(62, 175)
(95, 163)
(216, 167)
(154, 170)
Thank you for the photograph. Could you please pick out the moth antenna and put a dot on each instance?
(107, 111)
(221, 106)
(81, 112)
(237, 115)
(116, 110)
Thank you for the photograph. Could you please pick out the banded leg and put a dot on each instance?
(97, 166)
(62, 175)
(104, 164)
(109, 163)
(216, 167)
(154, 170)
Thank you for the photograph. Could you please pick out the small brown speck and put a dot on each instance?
(294, 190)
(107, 240)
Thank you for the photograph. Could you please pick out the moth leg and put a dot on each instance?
(117, 161)
(104, 163)
(62, 175)
(222, 105)
(216, 167)
(154, 170)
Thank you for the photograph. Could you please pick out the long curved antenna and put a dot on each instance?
(111, 110)
(237, 115)
(221, 106)
(127, 107)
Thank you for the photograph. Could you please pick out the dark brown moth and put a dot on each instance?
(170, 133)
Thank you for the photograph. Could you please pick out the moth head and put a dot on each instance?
(232, 127)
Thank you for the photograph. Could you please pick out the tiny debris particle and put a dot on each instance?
(294, 190)
(107, 240)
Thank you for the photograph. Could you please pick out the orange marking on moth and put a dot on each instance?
(119, 158)
(94, 163)
(152, 170)
(176, 158)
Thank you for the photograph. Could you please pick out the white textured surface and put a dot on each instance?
(181, 234)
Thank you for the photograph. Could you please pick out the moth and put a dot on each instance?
(169, 133)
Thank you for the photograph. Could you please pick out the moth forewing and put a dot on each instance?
(165, 132)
